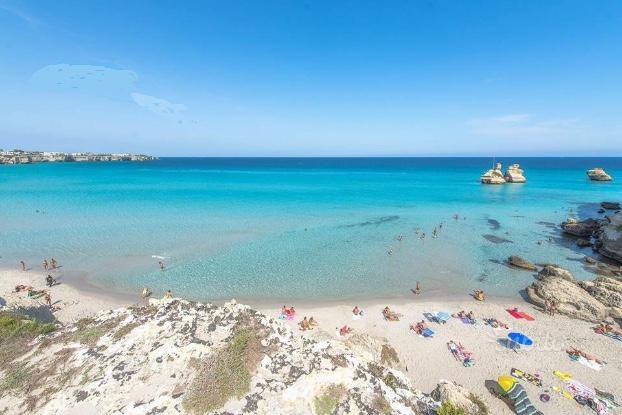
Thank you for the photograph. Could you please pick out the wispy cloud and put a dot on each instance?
(116, 84)
(160, 106)
(521, 125)
(27, 17)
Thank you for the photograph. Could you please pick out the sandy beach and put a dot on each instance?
(425, 360)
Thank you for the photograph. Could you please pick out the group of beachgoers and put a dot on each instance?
(50, 281)
(146, 293)
(422, 235)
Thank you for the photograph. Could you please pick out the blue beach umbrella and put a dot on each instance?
(520, 339)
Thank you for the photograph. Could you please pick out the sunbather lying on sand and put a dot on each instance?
(21, 287)
(603, 328)
(479, 295)
(494, 323)
(389, 315)
(357, 311)
(419, 327)
(576, 352)
(345, 330)
(462, 315)
(304, 324)
(312, 322)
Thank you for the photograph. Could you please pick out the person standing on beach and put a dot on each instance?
(48, 299)
(53, 262)
(23, 264)
(45, 264)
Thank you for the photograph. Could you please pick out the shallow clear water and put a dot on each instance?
(296, 228)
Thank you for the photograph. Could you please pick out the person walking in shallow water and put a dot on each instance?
(45, 264)
(53, 263)
(23, 264)
(161, 263)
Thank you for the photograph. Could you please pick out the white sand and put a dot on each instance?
(72, 304)
(427, 360)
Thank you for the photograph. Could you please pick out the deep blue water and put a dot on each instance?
(298, 227)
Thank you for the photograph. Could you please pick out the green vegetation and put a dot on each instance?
(390, 380)
(226, 374)
(619, 228)
(380, 405)
(326, 403)
(89, 331)
(125, 330)
(15, 333)
(448, 408)
(13, 326)
(482, 409)
(15, 376)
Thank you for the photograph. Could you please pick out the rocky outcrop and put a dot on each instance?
(582, 229)
(609, 242)
(178, 356)
(550, 270)
(610, 205)
(571, 299)
(608, 291)
(583, 243)
(459, 397)
(519, 262)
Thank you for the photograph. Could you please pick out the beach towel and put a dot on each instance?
(586, 362)
(582, 393)
(607, 398)
(514, 313)
(526, 316)
(520, 400)
(430, 317)
(466, 320)
(562, 375)
(519, 374)
(427, 332)
(285, 316)
(442, 317)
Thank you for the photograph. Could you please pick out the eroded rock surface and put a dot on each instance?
(170, 357)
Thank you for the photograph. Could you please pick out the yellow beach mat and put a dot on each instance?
(562, 375)
(506, 382)
(562, 392)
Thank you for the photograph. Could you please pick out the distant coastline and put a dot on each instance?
(30, 157)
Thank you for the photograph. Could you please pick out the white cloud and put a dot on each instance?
(160, 106)
(28, 18)
(99, 80)
(520, 125)
(102, 81)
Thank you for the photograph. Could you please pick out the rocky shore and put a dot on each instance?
(28, 157)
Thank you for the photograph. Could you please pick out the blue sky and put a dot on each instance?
(245, 78)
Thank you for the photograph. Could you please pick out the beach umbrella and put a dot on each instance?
(520, 339)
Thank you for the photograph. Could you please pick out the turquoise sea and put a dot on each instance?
(288, 228)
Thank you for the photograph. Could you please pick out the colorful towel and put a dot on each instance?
(514, 313)
(427, 332)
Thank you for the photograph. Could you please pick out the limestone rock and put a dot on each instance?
(610, 238)
(520, 262)
(457, 395)
(551, 270)
(582, 243)
(156, 359)
(582, 229)
(608, 291)
(571, 299)
(610, 205)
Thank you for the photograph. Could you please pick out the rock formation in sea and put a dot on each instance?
(519, 262)
(493, 176)
(175, 356)
(514, 174)
(598, 174)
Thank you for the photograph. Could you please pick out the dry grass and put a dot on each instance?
(125, 330)
(388, 356)
(89, 331)
(325, 403)
(226, 374)
(380, 405)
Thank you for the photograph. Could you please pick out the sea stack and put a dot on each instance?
(514, 174)
(493, 176)
(598, 174)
